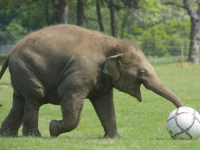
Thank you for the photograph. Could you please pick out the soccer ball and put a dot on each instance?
(184, 123)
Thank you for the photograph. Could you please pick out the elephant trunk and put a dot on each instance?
(161, 90)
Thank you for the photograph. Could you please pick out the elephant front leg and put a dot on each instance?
(104, 108)
(71, 114)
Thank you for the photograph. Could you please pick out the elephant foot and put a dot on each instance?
(53, 129)
(34, 133)
(8, 132)
(112, 136)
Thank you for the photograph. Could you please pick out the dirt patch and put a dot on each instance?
(183, 64)
(3, 86)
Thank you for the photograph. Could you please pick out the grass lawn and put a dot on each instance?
(141, 125)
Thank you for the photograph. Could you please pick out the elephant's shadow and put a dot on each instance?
(64, 137)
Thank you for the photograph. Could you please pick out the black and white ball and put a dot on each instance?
(184, 123)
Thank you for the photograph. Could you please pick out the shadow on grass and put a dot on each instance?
(164, 139)
(61, 137)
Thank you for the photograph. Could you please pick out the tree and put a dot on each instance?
(80, 13)
(60, 11)
(114, 7)
(63, 11)
(129, 7)
(113, 23)
(15, 31)
(165, 38)
(193, 55)
(99, 16)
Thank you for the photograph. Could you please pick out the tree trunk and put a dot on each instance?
(112, 19)
(193, 55)
(55, 7)
(80, 13)
(123, 23)
(47, 12)
(60, 11)
(63, 11)
(99, 16)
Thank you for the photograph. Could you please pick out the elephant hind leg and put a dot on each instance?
(30, 120)
(13, 121)
(34, 99)
(71, 111)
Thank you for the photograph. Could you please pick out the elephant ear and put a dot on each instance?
(111, 66)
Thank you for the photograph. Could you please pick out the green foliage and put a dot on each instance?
(151, 11)
(72, 12)
(15, 31)
(32, 15)
(91, 16)
(154, 40)
(164, 39)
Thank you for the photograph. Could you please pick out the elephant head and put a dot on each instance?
(131, 69)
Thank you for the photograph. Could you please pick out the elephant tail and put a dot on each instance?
(4, 67)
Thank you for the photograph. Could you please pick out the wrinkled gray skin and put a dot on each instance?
(64, 65)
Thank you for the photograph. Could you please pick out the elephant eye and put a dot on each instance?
(142, 73)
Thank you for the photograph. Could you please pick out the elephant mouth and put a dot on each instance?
(137, 93)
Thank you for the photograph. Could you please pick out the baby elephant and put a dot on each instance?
(64, 65)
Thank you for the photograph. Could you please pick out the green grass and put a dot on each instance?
(141, 125)
(165, 59)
